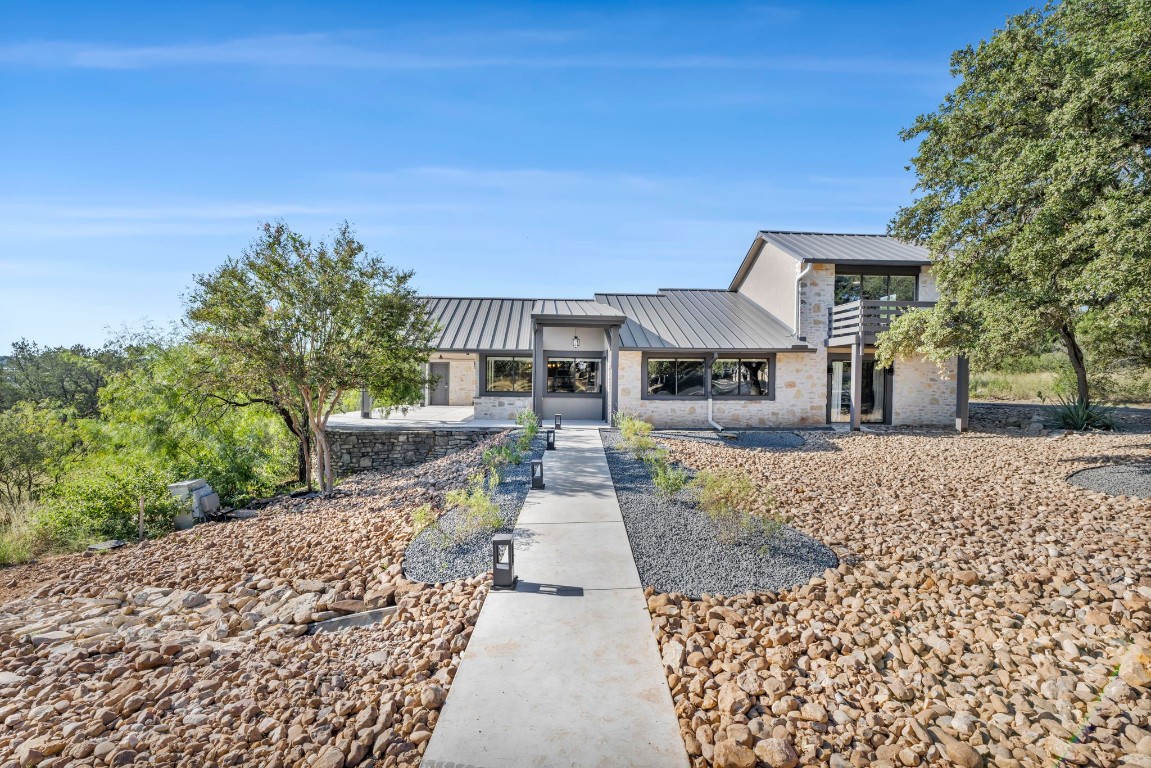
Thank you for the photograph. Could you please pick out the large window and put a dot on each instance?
(573, 375)
(741, 377)
(675, 377)
(508, 374)
(854, 287)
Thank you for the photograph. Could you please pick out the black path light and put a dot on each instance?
(559, 421)
(503, 561)
(551, 435)
(537, 474)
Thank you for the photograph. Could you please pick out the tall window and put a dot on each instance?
(741, 377)
(574, 375)
(509, 374)
(874, 287)
(675, 377)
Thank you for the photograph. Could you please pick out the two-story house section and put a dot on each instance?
(790, 343)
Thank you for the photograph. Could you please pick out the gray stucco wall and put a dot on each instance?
(386, 449)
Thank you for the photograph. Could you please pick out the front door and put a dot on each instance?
(440, 373)
(876, 406)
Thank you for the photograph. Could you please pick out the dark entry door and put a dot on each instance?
(440, 373)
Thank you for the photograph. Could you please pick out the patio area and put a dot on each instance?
(436, 417)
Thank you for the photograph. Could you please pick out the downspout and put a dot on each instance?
(798, 295)
(707, 383)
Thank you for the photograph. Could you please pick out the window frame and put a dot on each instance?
(768, 356)
(700, 358)
(599, 360)
(846, 270)
(485, 392)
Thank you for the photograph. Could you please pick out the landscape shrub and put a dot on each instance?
(496, 459)
(668, 480)
(479, 511)
(19, 539)
(735, 506)
(531, 426)
(1072, 414)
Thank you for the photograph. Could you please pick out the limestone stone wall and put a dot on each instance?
(922, 394)
(799, 398)
(387, 449)
(491, 407)
(462, 382)
(928, 290)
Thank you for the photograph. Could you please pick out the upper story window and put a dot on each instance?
(508, 374)
(675, 377)
(871, 287)
(576, 375)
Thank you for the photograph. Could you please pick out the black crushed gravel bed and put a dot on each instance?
(1116, 480)
(676, 548)
(737, 438)
(429, 561)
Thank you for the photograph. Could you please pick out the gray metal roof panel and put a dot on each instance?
(847, 248)
(699, 319)
(471, 324)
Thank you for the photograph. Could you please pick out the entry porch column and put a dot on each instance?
(856, 382)
(962, 392)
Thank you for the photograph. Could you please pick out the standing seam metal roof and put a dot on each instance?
(474, 325)
(828, 247)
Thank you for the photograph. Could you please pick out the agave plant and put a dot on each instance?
(1076, 414)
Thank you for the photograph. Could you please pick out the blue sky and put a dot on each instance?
(496, 149)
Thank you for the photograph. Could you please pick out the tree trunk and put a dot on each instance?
(1075, 353)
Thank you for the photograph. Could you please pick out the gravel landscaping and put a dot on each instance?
(1116, 480)
(986, 612)
(432, 559)
(676, 548)
(746, 438)
(192, 649)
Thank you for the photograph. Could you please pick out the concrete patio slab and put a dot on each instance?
(565, 670)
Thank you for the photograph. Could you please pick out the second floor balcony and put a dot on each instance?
(865, 319)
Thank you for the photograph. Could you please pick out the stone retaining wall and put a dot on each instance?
(386, 449)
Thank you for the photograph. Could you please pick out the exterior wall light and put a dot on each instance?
(575, 342)
(503, 561)
(551, 435)
(537, 474)
(559, 421)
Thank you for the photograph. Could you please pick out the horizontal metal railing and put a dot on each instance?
(868, 317)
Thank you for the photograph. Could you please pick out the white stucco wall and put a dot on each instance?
(928, 290)
(771, 283)
(559, 338)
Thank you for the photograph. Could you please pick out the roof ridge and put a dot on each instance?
(697, 290)
(823, 234)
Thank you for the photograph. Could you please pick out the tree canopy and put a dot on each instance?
(1035, 197)
(311, 321)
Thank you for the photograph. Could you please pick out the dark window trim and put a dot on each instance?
(645, 395)
(483, 376)
(880, 272)
(888, 386)
(770, 357)
(598, 355)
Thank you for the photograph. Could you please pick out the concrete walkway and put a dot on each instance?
(565, 670)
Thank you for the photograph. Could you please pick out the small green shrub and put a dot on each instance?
(480, 512)
(531, 426)
(1072, 414)
(736, 507)
(496, 459)
(668, 480)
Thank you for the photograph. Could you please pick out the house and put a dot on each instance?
(789, 343)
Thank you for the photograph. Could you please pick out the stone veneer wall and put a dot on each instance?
(501, 407)
(461, 382)
(800, 385)
(922, 394)
(387, 449)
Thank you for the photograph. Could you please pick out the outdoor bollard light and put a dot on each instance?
(559, 421)
(503, 562)
(537, 473)
(551, 434)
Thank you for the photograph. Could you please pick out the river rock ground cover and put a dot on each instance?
(986, 612)
(191, 650)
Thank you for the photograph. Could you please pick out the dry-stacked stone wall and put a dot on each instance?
(387, 449)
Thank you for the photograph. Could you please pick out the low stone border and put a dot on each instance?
(1116, 480)
(427, 561)
(676, 548)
